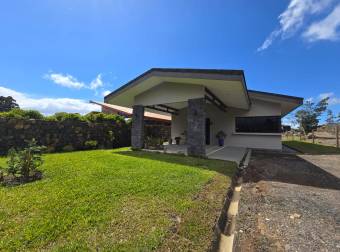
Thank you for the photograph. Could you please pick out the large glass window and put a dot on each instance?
(258, 124)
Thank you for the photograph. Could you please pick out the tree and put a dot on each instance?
(7, 103)
(308, 117)
(330, 117)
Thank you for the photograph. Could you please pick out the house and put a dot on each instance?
(203, 102)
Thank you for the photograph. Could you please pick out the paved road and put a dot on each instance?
(290, 203)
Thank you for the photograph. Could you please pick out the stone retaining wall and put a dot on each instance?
(62, 135)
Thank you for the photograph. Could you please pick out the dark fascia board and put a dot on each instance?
(183, 70)
(298, 100)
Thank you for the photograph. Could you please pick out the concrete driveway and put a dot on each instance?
(329, 163)
(226, 153)
(212, 151)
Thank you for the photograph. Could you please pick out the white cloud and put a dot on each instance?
(64, 80)
(96, 83)
(326, 29)
(333, 100)
(49, 105)
(67, 80)
(310, 99)
(293, 18)
(325, 95)
(106, 92)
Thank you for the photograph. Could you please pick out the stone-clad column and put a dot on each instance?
(196, 127)
(137, 130)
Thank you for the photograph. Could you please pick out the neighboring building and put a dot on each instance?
(201, 103)
(127, 112)
(156, 125)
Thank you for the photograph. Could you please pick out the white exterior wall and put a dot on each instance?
(226, 122)
(179, 125)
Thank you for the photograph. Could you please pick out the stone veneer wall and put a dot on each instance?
(62, 135)
(137, 128)
(196, 127)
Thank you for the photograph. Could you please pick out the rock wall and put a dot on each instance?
(196, 127)
(62, 135)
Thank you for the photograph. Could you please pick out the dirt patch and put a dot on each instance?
(288, 204)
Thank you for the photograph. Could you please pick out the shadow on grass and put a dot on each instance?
(290, 169)
(311, 149)
(224, 167)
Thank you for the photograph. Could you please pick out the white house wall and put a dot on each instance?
(226, 122)
(179, 125)
(167, 93)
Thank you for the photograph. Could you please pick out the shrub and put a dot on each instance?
(14, 113)
(101, 117)
(33, 114)
(92, 116)
(62, 116)
(13, 162)
(22, 114)
(25, 162)
(51, 118)
(91, 144)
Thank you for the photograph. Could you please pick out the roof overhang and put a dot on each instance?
(228, 85)
(288, 103)
(127, 112)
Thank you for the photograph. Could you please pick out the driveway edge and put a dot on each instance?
(225, 227)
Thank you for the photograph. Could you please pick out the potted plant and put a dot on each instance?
(221, 136)
(177, 139)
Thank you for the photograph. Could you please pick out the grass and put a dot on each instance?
(310, 148)
(115, 200)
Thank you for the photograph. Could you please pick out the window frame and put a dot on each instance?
(278, 127)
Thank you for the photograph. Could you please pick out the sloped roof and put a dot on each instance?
(228, 85)
(128, 111)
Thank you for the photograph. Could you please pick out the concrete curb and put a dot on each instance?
(225, 227)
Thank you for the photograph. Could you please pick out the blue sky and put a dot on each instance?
(57, 55)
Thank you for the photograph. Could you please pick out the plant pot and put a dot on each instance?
(221, 141)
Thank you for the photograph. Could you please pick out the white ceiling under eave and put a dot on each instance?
(229, 89)
(287, 103)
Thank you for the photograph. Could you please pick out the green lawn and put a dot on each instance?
(310, 148)
(115, 200)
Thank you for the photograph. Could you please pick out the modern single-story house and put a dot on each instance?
(203, 102)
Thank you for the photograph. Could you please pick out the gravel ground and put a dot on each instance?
(290, 203)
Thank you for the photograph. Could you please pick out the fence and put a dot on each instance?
(328, 135)
(62, 135)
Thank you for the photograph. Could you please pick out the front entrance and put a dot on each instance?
(207, 131)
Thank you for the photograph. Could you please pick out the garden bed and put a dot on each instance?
(116, 200)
